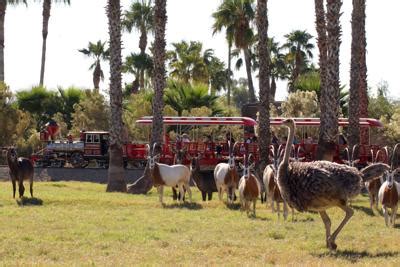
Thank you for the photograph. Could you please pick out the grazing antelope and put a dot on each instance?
(179, 157)
(226, 176)
(165, 175)
(249, 188)
(20, 169)
(373, 186)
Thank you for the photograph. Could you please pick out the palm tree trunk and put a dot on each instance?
(45, 30)
(160, 21)
(321, 31)
(264, 92)
(229, 72)
(273, 89)
(97, 75)
(364, 138)
(142, 46)
(116, 179)
(354, 108)
(3, 7)
(247, 59)
(330, 95)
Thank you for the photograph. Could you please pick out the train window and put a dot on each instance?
(88, 138)
(96, 138)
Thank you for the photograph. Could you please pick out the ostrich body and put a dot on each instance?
(317, 186)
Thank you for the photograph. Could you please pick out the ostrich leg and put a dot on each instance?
(349, 213)
(327, 223)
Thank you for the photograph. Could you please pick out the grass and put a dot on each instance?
(72, 223)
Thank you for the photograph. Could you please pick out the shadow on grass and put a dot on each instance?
(366, 210)
(233, 206)
(353, 256)
(185, 205)
(33, 201)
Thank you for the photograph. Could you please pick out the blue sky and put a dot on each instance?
(72, 27)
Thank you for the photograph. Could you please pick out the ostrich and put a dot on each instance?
(320, 185)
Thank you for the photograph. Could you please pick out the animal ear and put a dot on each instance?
(252, 165)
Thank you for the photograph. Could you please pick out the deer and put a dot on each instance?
(20, 169)
(165, 175)
(249, 187)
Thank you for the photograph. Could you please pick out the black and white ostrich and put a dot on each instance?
(320, 185)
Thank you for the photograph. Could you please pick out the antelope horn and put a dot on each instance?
(353, 152)
(373, 159)
(272, 151)
(394, 154)
(148, 148)
(348, 155)
(377, 155)
(234, 146)
(154, 147)
(387, 153)
(229, 147)
(298, 151)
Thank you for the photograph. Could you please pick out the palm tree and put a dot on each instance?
(264, 92)
(45, 31)
(99, 52)
(160, 21)
(140, 17)
(299, 51)
(3, 7)
(277, 65)
(363, 93)
(116, 179)
(330, 93)
(134, 64)
(236, 16)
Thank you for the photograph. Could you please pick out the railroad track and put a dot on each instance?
(96, 175)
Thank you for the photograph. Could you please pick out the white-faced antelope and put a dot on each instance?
(249, 188)
(226, 176)
(165, 175)
(20, 169)
(389, 194)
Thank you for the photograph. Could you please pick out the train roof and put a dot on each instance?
(202, 121)
(246, 121)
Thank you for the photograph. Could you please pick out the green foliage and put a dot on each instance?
(91, 113)
(240, 94)
(7, 116)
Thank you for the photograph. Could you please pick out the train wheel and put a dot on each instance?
(77, 160)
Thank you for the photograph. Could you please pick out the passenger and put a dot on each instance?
(185, 138)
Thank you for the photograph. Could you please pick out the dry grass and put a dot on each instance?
(73, 223)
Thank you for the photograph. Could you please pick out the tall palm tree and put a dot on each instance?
(264, 92)
(134, 64)
(45, 31)
(160, 21)
(99, 52)
(236, 17)
(277, 66)
(3, 7)
(299, 46)
(116, 179)
(140, 17)
(330, 93)
(363, 71)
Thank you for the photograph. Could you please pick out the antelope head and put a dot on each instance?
(350, 157)
(231, 159)
(151, 157)
(12, 154)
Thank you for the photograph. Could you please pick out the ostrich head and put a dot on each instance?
(151, 158)
(288, 123)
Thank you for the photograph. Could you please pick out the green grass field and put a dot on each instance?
(74, 223)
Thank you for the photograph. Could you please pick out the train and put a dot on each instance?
(92, 147)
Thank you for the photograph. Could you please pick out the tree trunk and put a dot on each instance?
(142, 46)
(273, 89)
(97, 75)
(160, 21)
(116, 179)
(229, 72)
(330, 96)
(45, 30)
(321, 31)
(264, 92)
(3, 7)
(354, 108)
(247, 58)
(364, 138)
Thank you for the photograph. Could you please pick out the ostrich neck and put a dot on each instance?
(288, 148)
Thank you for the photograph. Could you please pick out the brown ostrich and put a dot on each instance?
(320, 185)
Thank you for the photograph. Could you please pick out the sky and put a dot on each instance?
(72, 27)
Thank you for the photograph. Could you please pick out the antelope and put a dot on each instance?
(20, 169)
(249, 188)
(165, 175)
(389, 193)
(373, 186)
(226, 176)
(203, 180)
(179, 156)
